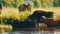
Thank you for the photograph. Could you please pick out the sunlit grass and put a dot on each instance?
(15, 14)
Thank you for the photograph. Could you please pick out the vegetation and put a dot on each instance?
(36, 3)
(24, 15)
(21, 15)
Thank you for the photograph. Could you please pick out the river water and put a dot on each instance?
(32, 32)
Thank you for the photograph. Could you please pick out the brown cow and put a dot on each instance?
(24, 7)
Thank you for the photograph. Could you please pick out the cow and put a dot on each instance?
(37, 16)
(24, 7)
(39, 13)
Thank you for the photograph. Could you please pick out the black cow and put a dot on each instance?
(37, 15)
(28, 23)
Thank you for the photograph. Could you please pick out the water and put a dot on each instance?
(32, 32)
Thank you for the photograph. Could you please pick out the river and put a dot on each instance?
(32, 32)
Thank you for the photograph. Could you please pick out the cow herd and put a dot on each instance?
(32, 20)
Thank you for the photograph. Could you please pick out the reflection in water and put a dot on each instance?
(32, 32)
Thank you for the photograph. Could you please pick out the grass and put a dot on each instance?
(15, 14)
